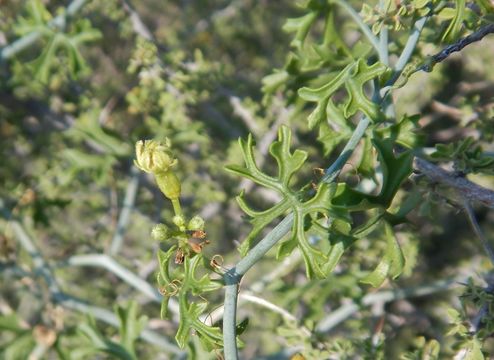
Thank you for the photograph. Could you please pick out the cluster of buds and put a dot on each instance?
(191, 237)
(155, 157)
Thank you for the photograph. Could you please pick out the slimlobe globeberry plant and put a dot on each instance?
(180, 255)
(358, 168)
(352, 86)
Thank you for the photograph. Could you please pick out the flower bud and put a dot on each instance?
(154, 156)
(196, 223)
(160, 232)
(169, 184)
(179, 221)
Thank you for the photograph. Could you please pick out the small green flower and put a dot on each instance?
(196, 223)
(160, 232)
(154, 156)
(179, 221)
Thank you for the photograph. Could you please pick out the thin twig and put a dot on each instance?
(344, 312)
(478, 231)
(457, 46)
(275, 308)
(128, 205)
(464, 187)
(245, 115)
(138, 25)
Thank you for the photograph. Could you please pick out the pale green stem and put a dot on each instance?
(176, 207)
(332, 172)
(232, 279)
(363, 26)
(383, 39)
(407, 52)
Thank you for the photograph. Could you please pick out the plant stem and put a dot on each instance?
(232, 279)
(462, 186)
(407, 52)
(123, 219)
(383, 39)
(347, 310)
(478, 231)
(332, 172)
(230, 319)
(176, 207)
(363, 26)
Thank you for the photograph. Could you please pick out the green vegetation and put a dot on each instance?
(355, 137)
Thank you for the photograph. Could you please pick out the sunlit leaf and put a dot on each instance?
(392, 263)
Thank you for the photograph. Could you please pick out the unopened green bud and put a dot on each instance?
(196, 223)
(169, 184)
(154, 156)
(179, 221)
(160, 232)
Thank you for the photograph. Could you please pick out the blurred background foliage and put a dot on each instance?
(74, 102)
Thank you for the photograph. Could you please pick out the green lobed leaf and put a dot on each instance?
(366, 163)
(288, 163)
(130, 325)
(474, 351)
(404, 132)
(211, 337)
(164, 257)
(259, 220)
(392, 263)
(250, 170)
(456, 23)
(353, 78)
(334, 131)
(301, 27)
(101, 343)
(395, 170)
(304, 211)
(195, 285)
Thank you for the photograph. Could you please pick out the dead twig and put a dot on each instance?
(457, 46)
(464, 187)
(478, 231)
